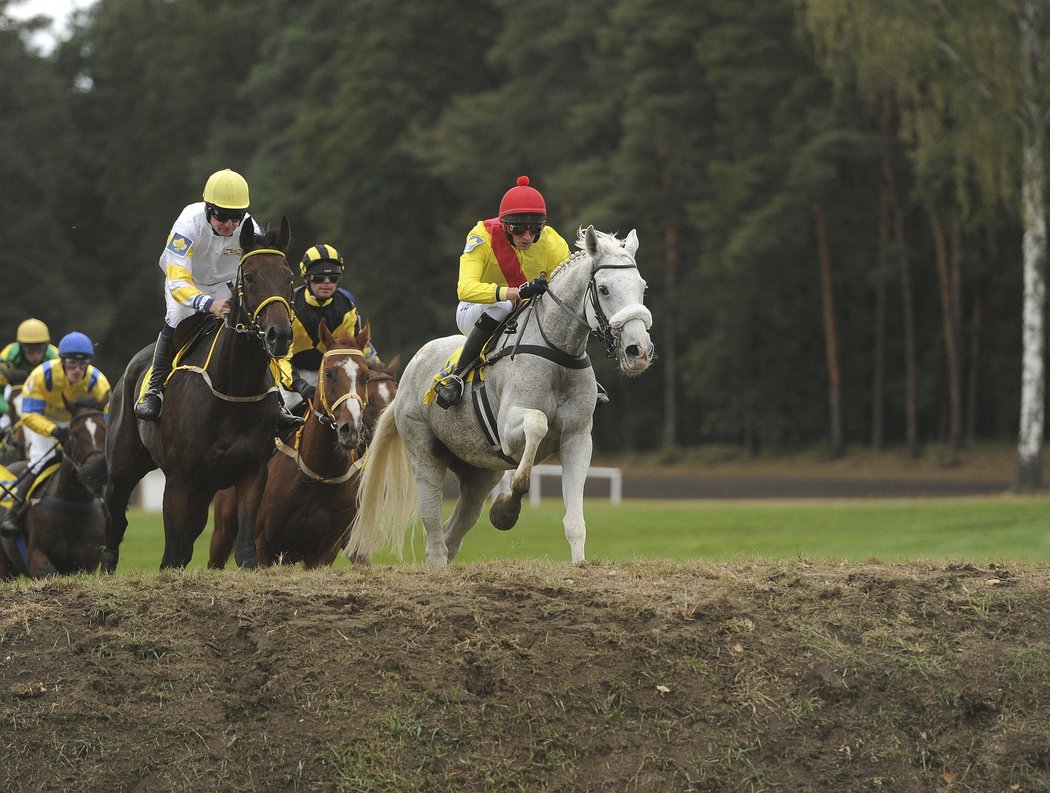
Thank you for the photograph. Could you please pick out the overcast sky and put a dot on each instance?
(58, 10)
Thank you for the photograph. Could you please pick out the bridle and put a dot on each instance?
(94, 451)
(327, 415)
(252, 328)
(603, 328)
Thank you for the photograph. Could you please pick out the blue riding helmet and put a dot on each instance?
(75, 345)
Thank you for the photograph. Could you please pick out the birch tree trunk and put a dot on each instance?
(831, 342)
(1033, 185)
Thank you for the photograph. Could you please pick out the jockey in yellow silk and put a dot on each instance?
(45, 417)
(501, 264)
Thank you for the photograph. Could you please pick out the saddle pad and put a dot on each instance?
(8, 480)
(450, 366)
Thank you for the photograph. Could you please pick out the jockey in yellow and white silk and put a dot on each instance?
(43, 408)
(198, 264)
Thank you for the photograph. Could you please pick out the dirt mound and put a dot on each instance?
(753, 675)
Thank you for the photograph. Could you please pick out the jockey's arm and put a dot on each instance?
(179, 283)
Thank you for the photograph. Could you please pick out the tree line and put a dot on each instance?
(841, 205)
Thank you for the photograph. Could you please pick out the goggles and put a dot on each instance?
(225, 215)
(320, 278)
(518, 229)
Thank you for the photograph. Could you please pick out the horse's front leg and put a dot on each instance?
(249, 491)
(575, 454)
(185, 515)
(507, 507)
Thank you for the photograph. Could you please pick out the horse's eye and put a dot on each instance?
(329, 374)
(249, 278)
(603, 291)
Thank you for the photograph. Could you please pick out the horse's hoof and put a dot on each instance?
(109, 562)
(504, 512)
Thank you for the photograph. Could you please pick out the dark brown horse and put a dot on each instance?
(221, 407)
(65, 524)
(310, 494)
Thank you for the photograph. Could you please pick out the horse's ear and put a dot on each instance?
(105, 400)
(631, 243)
(284, 235)
(247, 238)
(364, 336)
(325, 335)
(394, 365)
(590, 242)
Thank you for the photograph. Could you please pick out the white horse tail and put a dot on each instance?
(389, 500)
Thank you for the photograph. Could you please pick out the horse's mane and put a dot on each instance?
(605, 241)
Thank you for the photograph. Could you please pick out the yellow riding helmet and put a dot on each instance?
(321, 259)
(226, 189)
(33, 331)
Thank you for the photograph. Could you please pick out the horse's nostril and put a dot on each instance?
(632, 350)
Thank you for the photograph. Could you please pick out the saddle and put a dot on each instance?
(508, 327)
(189, 333)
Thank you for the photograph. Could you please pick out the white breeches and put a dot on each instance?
(468, 313)
(39, 447)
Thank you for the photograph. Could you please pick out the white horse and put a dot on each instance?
(537, 397)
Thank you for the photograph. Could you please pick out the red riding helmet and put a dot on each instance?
(522, 200)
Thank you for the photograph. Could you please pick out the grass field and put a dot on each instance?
(1003, 528)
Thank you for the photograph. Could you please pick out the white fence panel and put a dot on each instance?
(614, 475)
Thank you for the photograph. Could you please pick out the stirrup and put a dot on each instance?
(450, 392)
(149, 406)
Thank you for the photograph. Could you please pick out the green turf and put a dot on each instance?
(972, 529)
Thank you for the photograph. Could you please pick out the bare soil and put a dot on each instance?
(752, 675)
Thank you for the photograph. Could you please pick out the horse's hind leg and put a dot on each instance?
(475, 484)
(507, 507)
(224, 527)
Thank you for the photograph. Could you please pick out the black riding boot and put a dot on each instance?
(149, 405)
(288, 422)
(450, 392)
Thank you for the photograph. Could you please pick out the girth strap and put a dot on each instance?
(559, 357)
(69, 506)
(487, 419)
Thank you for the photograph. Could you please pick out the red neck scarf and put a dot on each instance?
(505, 256)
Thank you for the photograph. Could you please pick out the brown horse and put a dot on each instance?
(221, 407)
(65, 525)
(310, 494)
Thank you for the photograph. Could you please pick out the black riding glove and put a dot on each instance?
(60, 434)
(537, 286)
(303, 389)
